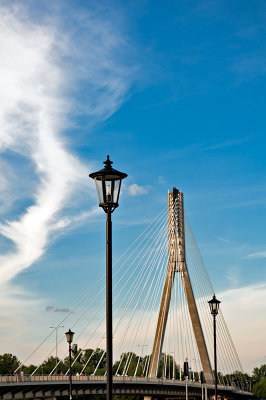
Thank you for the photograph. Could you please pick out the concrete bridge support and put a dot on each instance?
(177, 264)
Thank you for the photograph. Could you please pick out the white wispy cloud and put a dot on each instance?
(258, 254)
(137, 190)
(228, 143)
(31, 118)
(161, 180)
(40, 68)
(233, 275)
(201, 147)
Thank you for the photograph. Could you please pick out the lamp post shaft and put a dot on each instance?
(56, 350)
(70, 373)
(109, 324)
(215, 355)
(108, 183)
(214, 307)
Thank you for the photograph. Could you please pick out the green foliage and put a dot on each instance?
(85, 355)
(29, 369)
(165, 369)
(78, 361)
(92, 359)
(130, 364)
(48, 365)
(127, 364)
(8, 363)
(260, 372)
(259, 381)
(239, 379)
(123, 397)
(259, 389)
(76, 365)
(97, 359)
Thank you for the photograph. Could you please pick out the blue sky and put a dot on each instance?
(174, 91)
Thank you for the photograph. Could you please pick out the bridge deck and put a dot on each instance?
(19, 387)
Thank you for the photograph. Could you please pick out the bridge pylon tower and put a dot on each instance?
(177, 264)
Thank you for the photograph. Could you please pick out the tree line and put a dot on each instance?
(93, 362)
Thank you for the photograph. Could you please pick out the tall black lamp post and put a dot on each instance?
(69, 337)
(108, 183)
(214, 307)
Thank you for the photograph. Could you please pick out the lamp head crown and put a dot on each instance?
(108, 163)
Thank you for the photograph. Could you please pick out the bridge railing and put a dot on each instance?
(15, 379)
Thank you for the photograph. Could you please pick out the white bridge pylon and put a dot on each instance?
(177, 265)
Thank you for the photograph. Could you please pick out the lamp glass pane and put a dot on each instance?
(99, 189)
(116, 190)
(214, 306)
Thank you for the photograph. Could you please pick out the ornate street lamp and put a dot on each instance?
(69, 338)
(108, 183)
(214, 308)
(186, 375)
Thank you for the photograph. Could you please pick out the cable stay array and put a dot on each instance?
(138, 281)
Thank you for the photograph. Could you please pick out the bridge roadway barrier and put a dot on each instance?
(41, 386)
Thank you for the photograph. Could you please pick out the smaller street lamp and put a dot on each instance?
(214, 305)
(69, 337)
(214, 308)
(142, 366)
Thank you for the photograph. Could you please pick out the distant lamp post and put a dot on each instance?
(108, 183)
(186, 374)
(214, 308)
(56, 343)
(142, 366)
(69, 338)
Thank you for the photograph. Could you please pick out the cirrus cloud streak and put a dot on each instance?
(40, 65)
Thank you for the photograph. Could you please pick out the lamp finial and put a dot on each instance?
(108, 163)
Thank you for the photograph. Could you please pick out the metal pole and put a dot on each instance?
(186, 391)
(174, 366)
(56, 344)
(202, 393)
(109, 327)
(70, 373)
(56, 350)
(215, 355)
